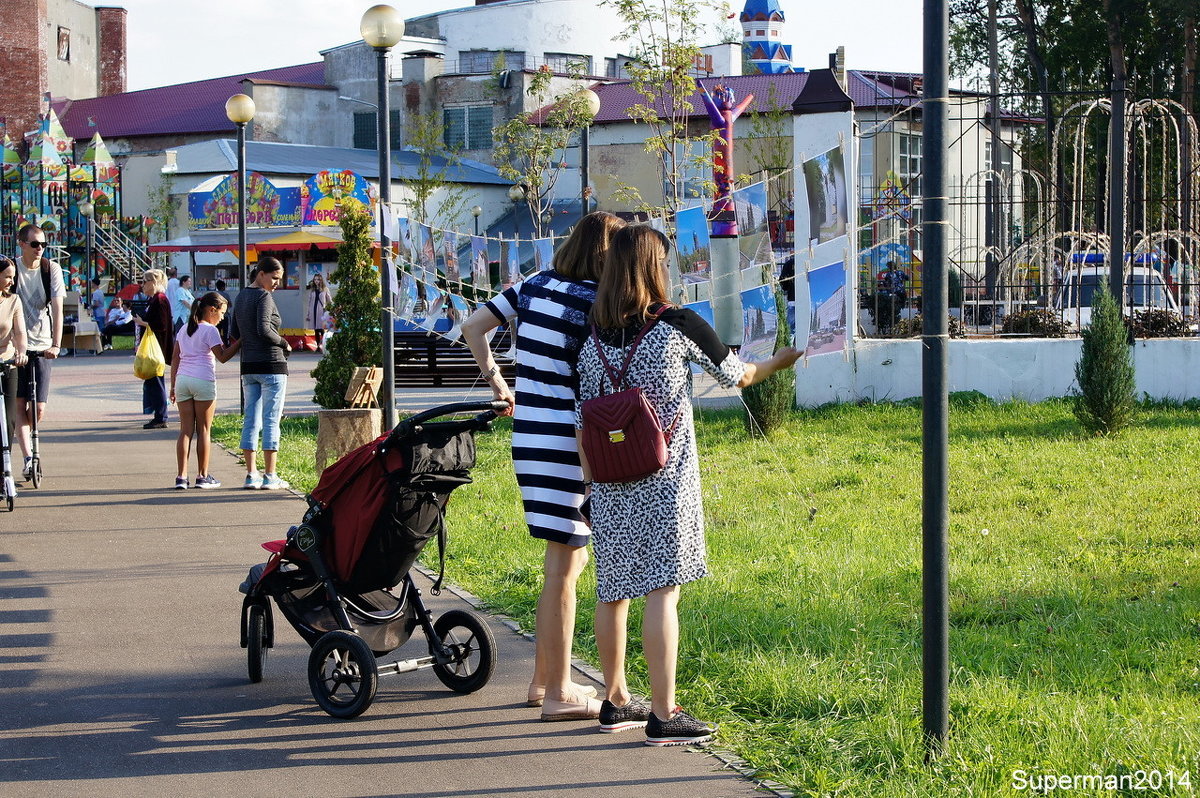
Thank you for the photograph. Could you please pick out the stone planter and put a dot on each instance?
(342, 431)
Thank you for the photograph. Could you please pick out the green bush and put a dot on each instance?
(769, 402)
(356, 309)
(1158, 323)
(1105, 400)
(1038, 322)
(912, 327)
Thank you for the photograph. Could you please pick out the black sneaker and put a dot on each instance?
(613, 718)
(681, 729)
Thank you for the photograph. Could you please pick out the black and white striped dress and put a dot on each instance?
(551, 313)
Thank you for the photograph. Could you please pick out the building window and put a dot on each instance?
(908, 162)
(612, 69)
(468, 127)
(1006, 157)
(366, 132)
(866, 170)
(64, 44)
(481, 62)
(567, 62)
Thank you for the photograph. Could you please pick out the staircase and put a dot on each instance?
(122, 253)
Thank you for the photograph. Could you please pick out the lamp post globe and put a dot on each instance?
(476, 211)
(516, 193)
(591, 102)
(239, 109)
(382, 26)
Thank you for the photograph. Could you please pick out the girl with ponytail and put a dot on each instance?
(198, 347)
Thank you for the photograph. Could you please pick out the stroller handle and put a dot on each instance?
(488, 412)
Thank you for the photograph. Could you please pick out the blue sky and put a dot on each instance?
(824, 281)
(183, 40)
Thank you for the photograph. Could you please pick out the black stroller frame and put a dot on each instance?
(347, 627)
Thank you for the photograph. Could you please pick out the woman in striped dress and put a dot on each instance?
(550, 311)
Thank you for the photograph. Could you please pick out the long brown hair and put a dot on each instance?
(634, 278)
(581, 256)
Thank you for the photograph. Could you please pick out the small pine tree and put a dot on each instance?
(1105, 399)
(356, 308)
(769, 402)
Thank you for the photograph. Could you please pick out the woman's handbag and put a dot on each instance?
(622, 437)
(149, 362)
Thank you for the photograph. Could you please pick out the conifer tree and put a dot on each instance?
(356, 309)
(769, 402)
(1105, 400)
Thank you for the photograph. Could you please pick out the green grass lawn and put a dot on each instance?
(1075, 598)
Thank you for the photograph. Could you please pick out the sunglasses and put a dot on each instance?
(36, 244)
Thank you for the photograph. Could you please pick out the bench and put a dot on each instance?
(429, 360)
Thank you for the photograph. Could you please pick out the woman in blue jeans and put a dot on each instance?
(264, 371)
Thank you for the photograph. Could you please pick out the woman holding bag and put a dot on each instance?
(156, 319)
(648, 534)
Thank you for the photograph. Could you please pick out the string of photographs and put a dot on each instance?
(442, 275)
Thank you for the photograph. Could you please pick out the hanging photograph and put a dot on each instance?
(479, 264)
(543, 253)
(511, 259)
(760, 322)
(426, 251)
(825, 183)
(827, 325)
(450, 254)
(407, 300)
(691, 242)
(754, 238)
(404, 240)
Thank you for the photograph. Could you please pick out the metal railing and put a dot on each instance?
(122, 253)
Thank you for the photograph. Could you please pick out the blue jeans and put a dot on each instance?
(264, 408)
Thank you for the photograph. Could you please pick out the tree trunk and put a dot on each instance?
(1033, 50)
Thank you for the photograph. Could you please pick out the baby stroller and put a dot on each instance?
(341, 578)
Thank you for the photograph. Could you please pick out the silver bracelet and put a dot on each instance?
(492, 372)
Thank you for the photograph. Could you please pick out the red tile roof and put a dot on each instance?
(197, 107)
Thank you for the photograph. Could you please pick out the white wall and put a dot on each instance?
(1030, 370)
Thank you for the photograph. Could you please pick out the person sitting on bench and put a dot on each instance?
(119, 321)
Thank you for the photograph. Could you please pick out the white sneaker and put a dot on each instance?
(273, 482)
(253, 481)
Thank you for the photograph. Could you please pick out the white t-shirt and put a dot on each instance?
(33, 298)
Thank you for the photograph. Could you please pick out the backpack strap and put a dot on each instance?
(616, 378)
(45, 270)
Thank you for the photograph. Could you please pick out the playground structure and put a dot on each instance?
(76, 200)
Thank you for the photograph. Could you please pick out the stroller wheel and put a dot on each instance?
(472, 651)
(256, 642)
(342, 674)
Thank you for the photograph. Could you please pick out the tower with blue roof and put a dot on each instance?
(762, 26)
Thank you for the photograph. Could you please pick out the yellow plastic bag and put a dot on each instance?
(148, 361)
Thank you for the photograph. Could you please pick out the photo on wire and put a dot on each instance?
(827, 325)
(543, 253)
(760, 323)
(691, 242)
(450, 255)
(825, 183)
(479, 264)
(754, 239)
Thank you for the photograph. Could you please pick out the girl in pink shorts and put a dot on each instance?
(198, 347)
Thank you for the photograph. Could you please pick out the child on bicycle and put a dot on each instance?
(198, 347)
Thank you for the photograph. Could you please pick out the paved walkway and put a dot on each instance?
(121, 675)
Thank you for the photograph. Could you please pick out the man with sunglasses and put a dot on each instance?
(41, 288)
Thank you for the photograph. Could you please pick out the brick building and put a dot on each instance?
(63, 47)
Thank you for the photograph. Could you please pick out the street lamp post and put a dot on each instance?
(87, 210)
(240, 111)
(517, 194)
(593, 107)
(382, 27)
(476, 211)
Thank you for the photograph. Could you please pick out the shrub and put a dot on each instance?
(769, 402)
(356, 308)
(1105, 400)
(1158, 323)
(911, 328)
(1038, 322)
(884, 309)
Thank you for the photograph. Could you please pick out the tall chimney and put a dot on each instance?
(111, 45)
(24, 64)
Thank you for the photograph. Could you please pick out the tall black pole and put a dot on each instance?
(583, 170)
(241, 187)
(387, 391)
(935, 513)
(1116, 193)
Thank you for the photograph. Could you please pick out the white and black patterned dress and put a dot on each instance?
(551, 313)
(650, 533)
